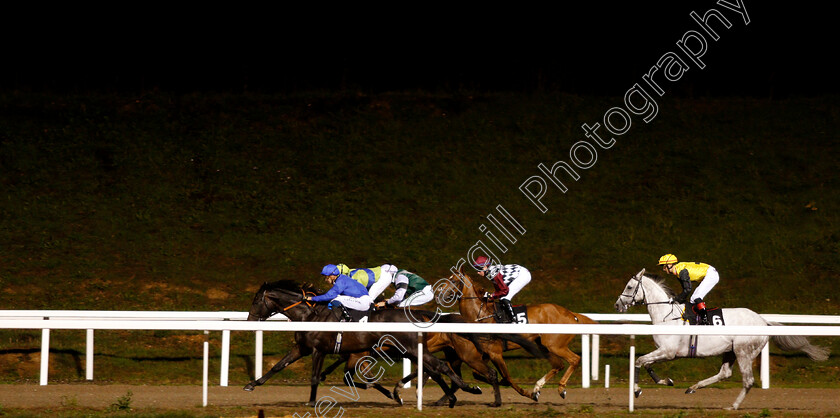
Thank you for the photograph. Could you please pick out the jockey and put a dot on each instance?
(407, 284)
(374, 279)
(688, 272)
(508, 280)
(345, 292)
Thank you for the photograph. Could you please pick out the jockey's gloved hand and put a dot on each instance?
(487, 295)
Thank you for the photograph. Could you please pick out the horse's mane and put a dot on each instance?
(288, 285)
(660, 281)
(479, 289)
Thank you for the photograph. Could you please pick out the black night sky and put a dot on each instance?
(582, 47)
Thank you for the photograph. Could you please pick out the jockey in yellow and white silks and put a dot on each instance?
(688, 272)
(374, 279)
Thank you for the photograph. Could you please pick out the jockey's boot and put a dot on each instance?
(508, 310)
(341, 312)
(702, 316)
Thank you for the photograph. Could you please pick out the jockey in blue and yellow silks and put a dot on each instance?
(374, 279)
(345, 292)
(688, 272)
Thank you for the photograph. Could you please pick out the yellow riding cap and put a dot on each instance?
(667, 259)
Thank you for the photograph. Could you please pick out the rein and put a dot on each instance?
(644, 297)
(302, 300)
(479, 318)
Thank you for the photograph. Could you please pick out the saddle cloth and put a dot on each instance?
(520, 313)
(714, 315)
(358, 316)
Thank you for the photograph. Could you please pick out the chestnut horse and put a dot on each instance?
(474, 308)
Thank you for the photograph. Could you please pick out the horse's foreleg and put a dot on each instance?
(499, 362)
(315, 380)
(440, 368)
(296, 354)
(331, 368)
(483, 372)
(401, 383)
(647, 361)
(724, 373)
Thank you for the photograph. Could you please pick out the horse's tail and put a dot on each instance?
(799, 343)
(534, 349)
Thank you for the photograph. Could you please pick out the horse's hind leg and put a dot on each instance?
(573, 360)
(724, 373)
(745, 364)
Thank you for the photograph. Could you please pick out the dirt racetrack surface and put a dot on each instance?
(285, 401)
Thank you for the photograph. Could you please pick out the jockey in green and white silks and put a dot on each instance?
(374, 279)
(411, 290)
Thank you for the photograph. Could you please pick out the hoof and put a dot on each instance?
(477, 390)
(669, 382)
(689, 391)
(452, 400)
(563, 394)
(536, 396)
(399, 400)
(494, 405)
(248, 388)
(637, 393)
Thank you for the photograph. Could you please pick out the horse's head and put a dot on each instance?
(455, 286)
(276, 297)
(632, 294)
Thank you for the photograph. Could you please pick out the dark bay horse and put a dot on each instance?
(474, 307)
(288, 297)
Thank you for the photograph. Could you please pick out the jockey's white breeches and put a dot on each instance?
(386, 276)
(361, 303)
(518, 283)
(706, 285)
(420, 297)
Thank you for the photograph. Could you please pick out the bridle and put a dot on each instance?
(271, 311)
(644, 296)
(635, 291)
(459, 294)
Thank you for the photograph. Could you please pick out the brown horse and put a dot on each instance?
(288, 297)
(474, 307)
(458, 349)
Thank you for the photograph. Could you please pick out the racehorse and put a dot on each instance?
(474, 308)
(458, 349)
(288, 297)
(649, 290)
